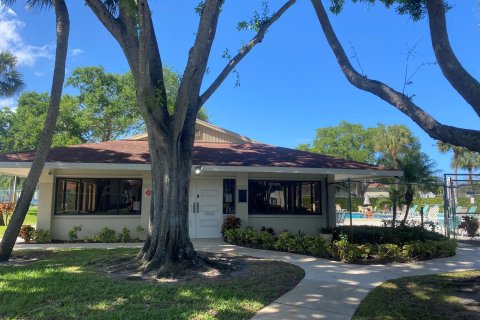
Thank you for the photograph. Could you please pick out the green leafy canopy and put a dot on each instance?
(416, 9)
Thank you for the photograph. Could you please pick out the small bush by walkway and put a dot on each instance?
(374, 245)
(30, 219)
(444, 296)
(78, 284)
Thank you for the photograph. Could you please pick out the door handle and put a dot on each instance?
(198, 207)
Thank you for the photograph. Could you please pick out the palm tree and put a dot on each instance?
(418, 175)
(393, 141)
(394, 199)
(457, 151)
(469, 160)
(21, 208)
(10, 79)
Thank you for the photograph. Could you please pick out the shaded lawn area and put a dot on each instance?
(31, 219)
(445, 296)
(70, 284)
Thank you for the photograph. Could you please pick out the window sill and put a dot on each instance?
(96, 216)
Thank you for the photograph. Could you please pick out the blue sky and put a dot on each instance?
(290, 85)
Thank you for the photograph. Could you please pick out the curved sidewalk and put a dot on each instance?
(330, 289)
(334, 290)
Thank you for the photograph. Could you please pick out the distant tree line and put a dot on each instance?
(104, 109)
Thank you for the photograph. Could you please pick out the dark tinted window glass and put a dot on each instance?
(228, 196)
(98, 196)
(275, 197)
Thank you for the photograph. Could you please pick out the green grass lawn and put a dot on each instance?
(444, 296)
(31, 219)
(67, 285)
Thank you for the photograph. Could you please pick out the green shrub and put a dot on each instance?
(380, 235)
(124, 235)
(346, 251)
(470, 225)
(429, 249)
(42, 236)
(105, 235)
(316, 246)
(389, 251)
(231, 222)
(73, 233)
(269, 230)
(285, 242)
(27, 232)
(340, 249)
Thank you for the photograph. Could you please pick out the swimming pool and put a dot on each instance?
(361, 215)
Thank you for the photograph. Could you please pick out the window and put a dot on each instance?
(287, 197)
(98, 196)
(228, 196)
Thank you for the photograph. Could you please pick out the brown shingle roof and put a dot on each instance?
(215, 154)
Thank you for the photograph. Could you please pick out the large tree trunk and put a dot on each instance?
(21, 209)
(168, 249)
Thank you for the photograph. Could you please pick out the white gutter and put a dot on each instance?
(363, 172)
(144, 167)
(68, 165)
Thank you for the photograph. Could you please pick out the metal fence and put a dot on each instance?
(13, 195)
(462, 199)
(382, 202)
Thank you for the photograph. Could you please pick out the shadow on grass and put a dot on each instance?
(66, 285)
(444, 296)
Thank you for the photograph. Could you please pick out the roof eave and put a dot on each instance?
(353, 173)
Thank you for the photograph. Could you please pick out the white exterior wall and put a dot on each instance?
(310, 225)
(293, 223)
(45, 200)
(60, 225)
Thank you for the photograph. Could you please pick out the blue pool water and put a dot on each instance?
(360, 215)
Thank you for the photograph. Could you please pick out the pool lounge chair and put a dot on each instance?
(432, 214)
(338, 208)
(460, 210)
(472, 210)
(425, 210)
(413, 210)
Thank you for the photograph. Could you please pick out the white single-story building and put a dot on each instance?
(108, 184)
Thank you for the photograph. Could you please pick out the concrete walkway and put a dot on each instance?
(330, 289)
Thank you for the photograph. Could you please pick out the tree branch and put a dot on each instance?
(466, 85)
(150, 67)
(453, 135)
(197, 63)
(258, 38)
(118, 30)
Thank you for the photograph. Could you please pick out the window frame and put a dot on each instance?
(296, 183)
(233, 202)
(80, 194)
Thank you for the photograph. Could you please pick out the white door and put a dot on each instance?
(205, 216)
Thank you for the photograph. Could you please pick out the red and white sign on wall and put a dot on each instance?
(148, 192)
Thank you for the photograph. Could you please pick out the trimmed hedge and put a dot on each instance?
(413, 250)
(288, 242)
(380, 235)
(422, 245)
